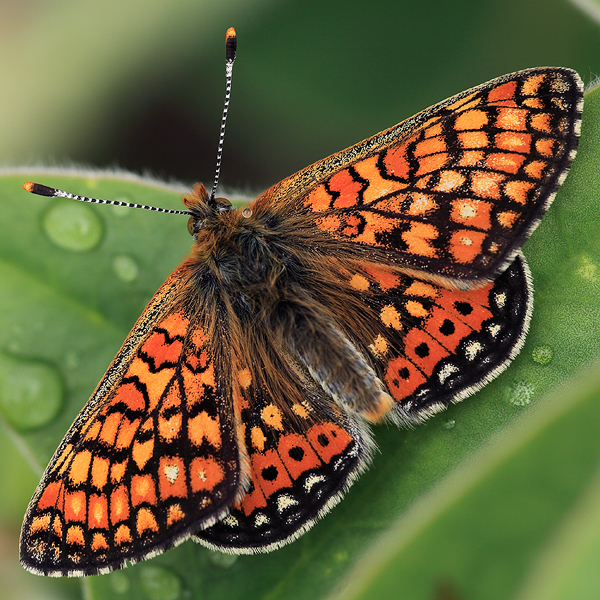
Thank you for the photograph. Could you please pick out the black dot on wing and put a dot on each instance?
(323, 440)
(296, 453)
(269, 473)
(422, 350)
(464, 308)
(447, 327)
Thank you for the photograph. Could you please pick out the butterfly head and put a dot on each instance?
(204, 209)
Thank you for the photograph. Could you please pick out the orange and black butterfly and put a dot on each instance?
(383, 282)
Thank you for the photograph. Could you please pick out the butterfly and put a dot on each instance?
(384, 282)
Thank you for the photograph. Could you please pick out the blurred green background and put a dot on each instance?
(140, 85)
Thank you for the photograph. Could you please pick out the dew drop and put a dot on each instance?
(521, 393)
(588, 269)
(119, 582)
(221, 559)
(125, 268)
(73, 226)
(449, 424)
(31, 392)
(542, 354)
(160, 583)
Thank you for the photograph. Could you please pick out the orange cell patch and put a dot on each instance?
(156, 383)
(505, 91)
(450, 181)
(471, 119)
(319, 199)
(396, 163)
(93, 431)
(419, 288)
(465, 245)
(174, 514)
(514, 119)
(416, 309)
(169, 429)
(145, 521)
(171, 477)
(470, 158)
(447, 330)
(75, 536)
(204, 427)
(300, 410)
(532, 84)
(57, 526)
(78, 472)
(271, 415)
(402, 378)
(390, 317)
(297, 454)
(514, 142)
(423, 351)
(119, 505)
(194, 383)
(99, 542)
(348, 189)
(430, 146)
(379, 347)
(431, 163)
(384, 278)
(126, 432)
(142, 452)
(142, 490)
(533, 103)
(541, 122)
(359, 282)
(486, 185)
(176, 324)
(535, 169)
(110, 428)
(39, 524)
(474, 213)
(244, 378)
(378, 186)
(206, 474)
(129, 394)
(51, 496)
(98, 512)
(433, 130)
(331, 223)
(418, 237)
(508, 163)
(374, 224)
(507, 218)
(258, 438)
(269, 472)
(122, 535)
(117, 471)
(545, 146)
(473, 139)
(469, 307)
(75, 506)
(352, 223)
(328, 440)
(253, 500)
(421, 204)
(157, 348)
(518, 190)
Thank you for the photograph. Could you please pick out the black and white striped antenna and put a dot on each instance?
(230, 48)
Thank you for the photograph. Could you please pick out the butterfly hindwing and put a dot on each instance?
(152, 456)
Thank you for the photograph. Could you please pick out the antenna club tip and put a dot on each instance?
(28, 186)
(230, 44)
(39, 189)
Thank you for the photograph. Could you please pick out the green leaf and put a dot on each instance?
(469, 507)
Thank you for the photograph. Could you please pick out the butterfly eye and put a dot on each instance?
(223, 205)
(191, 227)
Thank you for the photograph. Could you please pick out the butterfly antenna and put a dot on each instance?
(230, 47)
(44, 190)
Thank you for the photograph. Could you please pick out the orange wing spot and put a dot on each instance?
(51, 495)
(271, 415)
(349, 189)
(171, 477)
(93, 431)
(62, 462)
(465, 245)
(119, 505)
(402, 378)
(297, 454)
(545, 146)
(507, 218)
(419, 288)
(385, 279)
(396, 162)
(253, 500)
(174, 514)
(533, 103)
(126, 432)
(204, 427)
(473, 139)
(156, 384)
(422, 204)
(269, 472)
(486, 185)
(390, 317)
(508, 163)
(379, 347)
(359, 282)
(375, 223)
(300, 410)
(98, 512)
(536, 169)
(162, 352)
(531, 85)
(470, 158)
(123, 535)
(423, 182)
(145, 521)
(128, 393)
(518, 190)
(258, 438)
(194, 383)
(99, 542)
(57, 526)
(319, 199)
(449, 181)
(514, 119)
(433, 162)
(476, 299)
(75, 536)
(433, 130)
(541, 122)
(443, 327)
(430, 146)
(330, 223)
(417, 239)
(75, 506)
(117, 471)
(514, 142)
(169, 429)
(198, 340)
(378, 186)
(506, 91)
(176, 324)
(352, 223)
(78, 472)
(423, 351)
(110, 428)
(328, 440)
(416, 309)
(471, 119)
(39, 524)
(143, 490)
(142, 452)
(474, 213)
(244, 378)
(205, 474)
